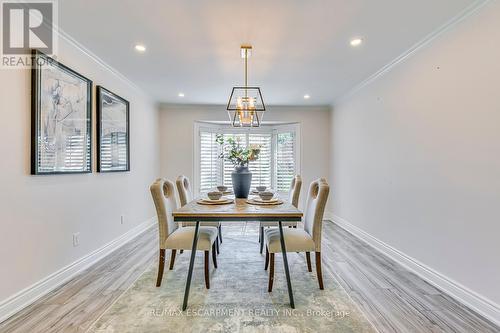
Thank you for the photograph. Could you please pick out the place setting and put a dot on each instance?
(263, 197)
(217, 197)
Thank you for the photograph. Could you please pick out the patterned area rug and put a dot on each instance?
(238, 300)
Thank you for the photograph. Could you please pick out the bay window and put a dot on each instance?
(278, 160)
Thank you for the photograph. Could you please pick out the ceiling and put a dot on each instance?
(300, 47)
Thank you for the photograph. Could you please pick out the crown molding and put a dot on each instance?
(73, 42)
(465, 13)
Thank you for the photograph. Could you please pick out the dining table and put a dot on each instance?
(238, 210)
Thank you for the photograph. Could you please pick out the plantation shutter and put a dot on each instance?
(275, 168)
(228, 167)
(209, 162)
(285, 160)
(262, 168)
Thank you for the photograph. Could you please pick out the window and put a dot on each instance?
(277, 164)
(285, 160)
(209, 163)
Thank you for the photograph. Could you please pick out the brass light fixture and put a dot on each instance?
(245, 106)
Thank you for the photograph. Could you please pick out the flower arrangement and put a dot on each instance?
(235, 153)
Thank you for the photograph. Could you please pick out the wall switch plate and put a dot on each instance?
(76, 239)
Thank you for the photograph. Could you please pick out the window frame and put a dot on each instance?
(225, 128)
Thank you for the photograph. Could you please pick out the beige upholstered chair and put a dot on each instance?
(186, 195)
(174, 238)
(301, 240)
(293, 198)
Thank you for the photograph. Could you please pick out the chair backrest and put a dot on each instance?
(294, 194)
(184, 189)
(315, 208)
(163, 192)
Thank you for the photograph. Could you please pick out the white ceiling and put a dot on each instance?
(300, 47)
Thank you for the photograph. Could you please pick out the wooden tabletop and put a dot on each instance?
(240, 210)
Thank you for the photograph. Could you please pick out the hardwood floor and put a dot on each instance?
(392, 298)
(74, 306)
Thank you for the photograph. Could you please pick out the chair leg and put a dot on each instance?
(172, 259)
(161, 264)
(214, 256)
(267, 259)
(262, 239)
(220, 233)
(217, 245)
(207, 280)
(271, 272)
(318, 270)
(308, 258)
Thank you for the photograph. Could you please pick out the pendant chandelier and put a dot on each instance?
(246, 106)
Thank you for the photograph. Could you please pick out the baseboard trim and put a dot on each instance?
(27, 296)
(464, 295)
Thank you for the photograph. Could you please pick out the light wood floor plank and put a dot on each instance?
(391, 297)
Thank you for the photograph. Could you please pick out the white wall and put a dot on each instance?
(176, 137)
(39, 214)
(416, 155)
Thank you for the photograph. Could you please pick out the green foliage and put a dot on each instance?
(235, 153)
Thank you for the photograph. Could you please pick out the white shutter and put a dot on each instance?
(276, 166)
(285, 160)
(262, 168)
(228, 167)
(209, 162)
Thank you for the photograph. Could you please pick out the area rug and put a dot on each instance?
(237, 300)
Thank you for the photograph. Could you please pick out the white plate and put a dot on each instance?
(221, 201)
(258, 199)
(264, 203)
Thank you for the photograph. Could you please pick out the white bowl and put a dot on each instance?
(215, 195)
(266, 196)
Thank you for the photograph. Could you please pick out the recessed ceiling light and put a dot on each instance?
(180, 94)
(356, 41)
(307, 96)
(140, 48)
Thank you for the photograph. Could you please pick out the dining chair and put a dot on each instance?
(293, 198)
(305, 240)
(185, 196)
(174, 238)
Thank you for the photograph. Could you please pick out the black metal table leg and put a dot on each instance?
(191, 265)
(285, 263)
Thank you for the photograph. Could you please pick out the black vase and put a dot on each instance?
(242, 179)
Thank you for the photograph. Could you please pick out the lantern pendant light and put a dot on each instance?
(245, 106)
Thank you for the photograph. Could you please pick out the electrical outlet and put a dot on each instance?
(122, 219)
(76, 239)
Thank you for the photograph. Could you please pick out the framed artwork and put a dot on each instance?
(61, 114)
(113, 132)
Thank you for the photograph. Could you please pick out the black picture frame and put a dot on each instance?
(43, 145)
(103, 161)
